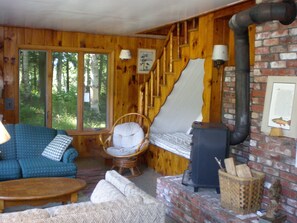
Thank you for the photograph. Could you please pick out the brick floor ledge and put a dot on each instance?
(204, 206)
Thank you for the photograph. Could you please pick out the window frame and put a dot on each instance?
(80, 85)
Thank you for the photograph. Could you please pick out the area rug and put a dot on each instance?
(92, 177)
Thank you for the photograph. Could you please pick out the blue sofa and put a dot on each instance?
(21, 155)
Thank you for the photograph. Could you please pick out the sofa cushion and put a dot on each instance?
(117, 180)
(89, 206)
(8, 149)
(56, 148)
(9, 170)
(125, 210)
(31, 140)
(24, 216)
(104, 191)
(40, 166)
(117, 214)
(132, 190)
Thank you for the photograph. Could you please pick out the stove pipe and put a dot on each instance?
(285, 13)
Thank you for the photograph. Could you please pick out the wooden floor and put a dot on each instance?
(147, 181)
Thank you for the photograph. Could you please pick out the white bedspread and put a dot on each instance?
(178, 142)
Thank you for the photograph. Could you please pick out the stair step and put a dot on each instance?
(156, 96)
(184, 45)
(169, 73)
(176, 59)
(193, 30)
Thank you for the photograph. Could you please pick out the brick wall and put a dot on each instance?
(275, 55)
(186, 206)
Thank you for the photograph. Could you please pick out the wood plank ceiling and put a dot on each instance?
(112, 17)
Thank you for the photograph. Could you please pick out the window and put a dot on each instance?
(95, 91)
(65, 90)
(32, 87)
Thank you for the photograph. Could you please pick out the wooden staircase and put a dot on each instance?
(167, 68)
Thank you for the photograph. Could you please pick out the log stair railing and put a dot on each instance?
(162, 76)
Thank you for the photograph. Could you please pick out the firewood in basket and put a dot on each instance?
(230, 166)
(243, 171)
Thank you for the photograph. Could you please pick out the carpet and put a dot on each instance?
(92, 177)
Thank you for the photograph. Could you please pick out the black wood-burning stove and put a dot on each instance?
(209, 140)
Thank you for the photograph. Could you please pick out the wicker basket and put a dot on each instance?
(241, 195)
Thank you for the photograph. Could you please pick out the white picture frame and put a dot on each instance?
(145, 60)
(280, 104)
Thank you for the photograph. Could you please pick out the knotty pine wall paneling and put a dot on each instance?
(126, 80)
(205, 47)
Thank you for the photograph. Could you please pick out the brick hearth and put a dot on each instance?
(183, 205)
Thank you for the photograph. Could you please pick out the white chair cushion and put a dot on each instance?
(120, 151)
(127, 135)
(105, 191)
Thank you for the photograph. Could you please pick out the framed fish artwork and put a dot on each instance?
(280, 104)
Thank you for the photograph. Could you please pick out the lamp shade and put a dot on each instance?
(4, 135)
(125, 55)
(220, 52)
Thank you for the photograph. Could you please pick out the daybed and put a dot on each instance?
(115, 199)
(169, 136)
(22, 156)
(178, 143)
(169, 153)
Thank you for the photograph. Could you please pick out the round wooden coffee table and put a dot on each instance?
(39, 191)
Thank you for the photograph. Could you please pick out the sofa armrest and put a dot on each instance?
(70, 155)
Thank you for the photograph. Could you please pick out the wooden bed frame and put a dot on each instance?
(165, 162)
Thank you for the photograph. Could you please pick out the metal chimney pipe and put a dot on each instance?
(285, 13)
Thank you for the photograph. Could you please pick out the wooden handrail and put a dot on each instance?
(158, 78)
(178, 39)
(152, 89)
(185, 32)
(164, 45)
(146, 99)
(171, 52)
(163, 65)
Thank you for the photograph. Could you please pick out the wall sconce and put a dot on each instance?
(219, 55)
(125, 55)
